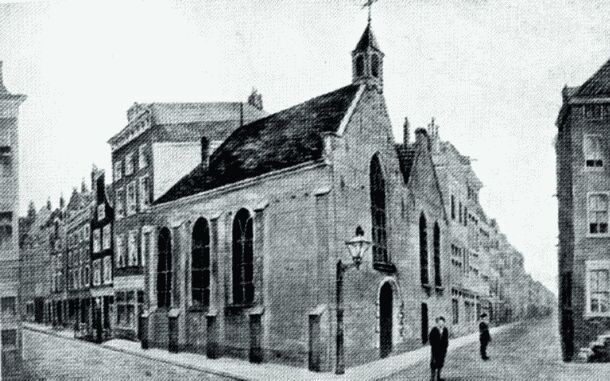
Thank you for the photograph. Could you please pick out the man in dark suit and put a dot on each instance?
(439, 341)
(484, 336)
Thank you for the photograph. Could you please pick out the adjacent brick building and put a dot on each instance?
(35, 261)
(160, 144)
(10, 333)
(583, 190)
(102, 258)
(77, 217)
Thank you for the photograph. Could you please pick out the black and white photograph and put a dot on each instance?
(313, 190)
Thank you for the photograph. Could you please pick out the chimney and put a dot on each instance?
(83, 186)
(205, 151)
(94, 176)
(255, 99)
(421, 137)
(62, 202)
(433, 129)
(434, 136)
(406, 132)
(49, 204)
(3, 89)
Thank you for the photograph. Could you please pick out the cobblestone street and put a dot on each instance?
(47, 357)
(526, 351)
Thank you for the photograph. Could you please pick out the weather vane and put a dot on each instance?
(369, 4)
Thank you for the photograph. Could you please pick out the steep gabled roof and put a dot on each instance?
(598, 85)
(281, 140)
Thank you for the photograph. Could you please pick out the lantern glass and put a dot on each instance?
(357, 246)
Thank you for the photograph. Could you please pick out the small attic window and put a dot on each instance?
(375, 65)
(359, 66)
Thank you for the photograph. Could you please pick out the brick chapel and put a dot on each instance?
(241, 252)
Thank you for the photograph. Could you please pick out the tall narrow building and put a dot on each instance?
(583, 192)
(10, 334)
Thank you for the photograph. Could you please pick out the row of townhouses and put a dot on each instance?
(226, 231)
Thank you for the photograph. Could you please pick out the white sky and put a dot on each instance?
(490, 71)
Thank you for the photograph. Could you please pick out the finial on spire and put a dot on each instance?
(369, 4)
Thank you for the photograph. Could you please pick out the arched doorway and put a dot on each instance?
(385, 319)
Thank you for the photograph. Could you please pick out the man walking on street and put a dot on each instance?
(439, 341)
(484, 336)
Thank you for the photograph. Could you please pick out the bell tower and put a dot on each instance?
(367, 60)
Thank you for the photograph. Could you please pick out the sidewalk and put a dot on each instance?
(242, 370)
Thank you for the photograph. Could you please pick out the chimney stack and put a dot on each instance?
(48, 204)
(406, 131)
(205, 151)
(3, 89)
(421, 137)
(255, 99)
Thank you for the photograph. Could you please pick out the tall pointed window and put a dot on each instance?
(200, 264)
(375, 65)
(360, 66)
(164, 269)
(423, 250)
(438, 279)
(243, 258)
(378, 212)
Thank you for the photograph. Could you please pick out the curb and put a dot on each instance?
(141, 355)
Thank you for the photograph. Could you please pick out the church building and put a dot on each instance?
(244, 252)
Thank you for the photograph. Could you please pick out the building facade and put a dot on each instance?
(583, 186)
(10, 334)
(160, 144)
(78, 214)
(102, 257)
(35, 263)
(57, 303)
(242, 252)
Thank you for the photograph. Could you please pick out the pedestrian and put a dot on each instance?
(439, 341)
(484, 336)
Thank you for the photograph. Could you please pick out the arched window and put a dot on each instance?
(243, 258)
(423, 249)
(164, 268)
(438, 279)
(378, 211)
(360, 66)
(200, 264)
(375, 65)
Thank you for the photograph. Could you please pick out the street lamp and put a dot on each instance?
(356, 246)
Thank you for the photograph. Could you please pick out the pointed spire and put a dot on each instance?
(367, 40)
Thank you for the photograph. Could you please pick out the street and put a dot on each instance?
(47, 357)
(527, 351)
